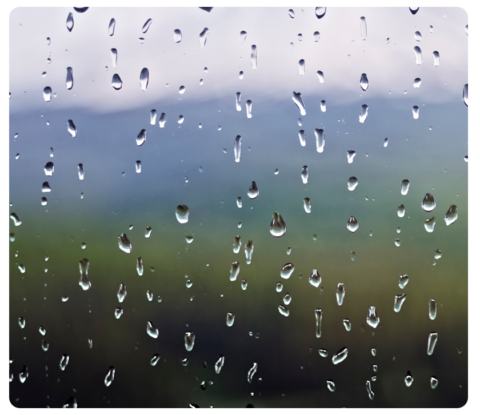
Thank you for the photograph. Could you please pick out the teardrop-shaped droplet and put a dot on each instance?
(350, 156)
(238, 101)
(418, 36)
(152, 331)
(144, 78)
(203, 37)
(243, 36)
(436, 58)
(45, 345)
(117, 82)
(146, 26)
(284, 311)
(415, 112)
(189, 341)
(438, 254)
(418, 55)
(237, 242)
(16, 219)
(47, 94)
(110, 376)
(363, 27)
(466, 95)
(21, 322)
(304, 175)
(124, 244)
(414, 10)
(320, 139)
(320, 12)
(432, 309)
(239, 202)
(302, 137)
(111, 27)
(230, 319)
(398, 302)
(71, 128)
(372, 318)
(253, 191)
(291, 13)
(162, 120)
(177, 36)
(114, 55)
(340, 356)
(253, 57)
(122, 293)
(141, 137)
(279, 287)
(321, 78)
(331, 385)
(315, 278)
(307, 205)
(432, 341)
(69, 80)
(417, 82)
(429, 224)
(451, 215)
(219, 364)
(155, 359)
(70, 22)
(347, 324)
(118, 312)
(428, 203)
(46, 187)
(323, 106)
(64, 362)
(340, 293)
(181, 90)
(248, 108)
(287, 270)
(352, 183)
(316, 36)
(401, 211)
(234, 270)
(404, 187)
(244, 284)
(81, 172)
(363, 113)
(352, 224)
(278, 227)
(287, 299)
(252, 372)
(433, 382)
(403, 281)
(364, 82)
(83, 266)
(301, 66)
(181, 213)
(249, 251)
(370, 393)
(297, 99)
(237, 148)
(140, 266)
(153, 117)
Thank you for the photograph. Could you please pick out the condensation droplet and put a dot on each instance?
(287, 270)
(181, 213)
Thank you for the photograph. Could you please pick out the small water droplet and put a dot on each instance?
(234, 270)
(370, 393)
(418, 36)
(47, 93)
(152, 331)
(432, 341)
(146, 26)
(320, 12)
(230, 319)
(320, 139)
(302, 137)
(124, 244)
(117, 82)
(291, 13)
(364, 82)
(279, 287)
(110, 376)
(69, 80)
(452, 215)
(144, 78)
(465, 94)
(297, 99)
(253, 57)
(83, 266)
(252, 372)
(203, 37)
(70, 22)
(340, 356)
(417, 82)
(372, 318)
(415, 112)
(287, 299)
(249, 251)
(244, 284)
(307, 205)
(321, 78)
(414, 10)
(433, 382)
(304, 175)
(23, 375)
(430, 224)
(363, 113)
(253, 191)
(189, 341)
(418, 55)
(64, 362)
(404, 187)
(350, 156)
(352, 183)
(284, 311)
(318, 323)
(181, 213)
(287, 270)
(301, 66)
(243, 36)
(331, 385)
(219, 364)
(352, 224)
(45, 345)
(177, 36)
(71, 128)
(278, 227)
(436, 58)
(398, 302)
(347, 324)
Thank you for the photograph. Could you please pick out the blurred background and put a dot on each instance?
(183, 164)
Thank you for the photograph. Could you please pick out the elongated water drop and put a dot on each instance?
(291, 13)
(117, 82)
(432, 341)
(234, 270)
(321, 78)
(219, 364)
(465, 94)
(433, 382)
(418, 55)
(307, 205)
(320, 139)
(363, 113)
(287, 270)
(146, 26)
(418, 36)
(249, 251)
(162, 120)
(404, 187)
(364, 82)
(279, 287)
(237, 242)
(114, 55)
(122, 293)
(110, 376)
(177, 36)
(347, 324)
(181, 213)
(253, 191)
(451, 216)
(352, 183)
(363, 28)
(318, 323)
(278, 227)
(239, 202)
(71, 128)
(429, 224)
(248, 108)
(350, 156)
(302, 137)
(352, 224)
(238, 101)
(316, 36)
(47, 94)
(244, 284)
(287, 299)
(237, 148)
(203, 37)
(21, 322)
(70, 22)
(340, 293)
(370, 393)
(46, 187)
(403, 281)
(45, 345)
(415, 112)
(140, 266)
(417, 82)
(155, 359)
(253, 57)
(372, 318)
(111, 27)
(284, 311)
(398, 302)
(124, 244)
(297, 99)
(252, 372)
(83, 266)
(436, 58)
(69, 80)
(189, 340)
(340, 356)
(304, 175)
(401, 211)
(64, 362)
(16, 219)
(243, 36)
(118, 312)
(230, 319)
(301, 66)
(144, 78)
(315, 278)
(320, 12)
(152, 331)
(323, 106)
(432, 309)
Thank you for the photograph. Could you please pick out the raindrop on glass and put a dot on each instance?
(352, 224)
(297, 99)
(350, 156)
(117, 82)
(451, 216)
(418, 55)
(320, 139)
(249, 251)
(287, 270)
(146, 26)
(363, 28)
(432, 341)
(318, 323)
(315, 278)
(111, 27)
(340, 356)
(307, 205)
(181, 213)
(177, 36)
(71, 128)
(110, 376)
(284, 311)
(243, 36)
(203, 37)
(304, 175)
(398, 302)
(320, 12)
(234, 270)
(340, 293)
(363, 113)
(352, 183)
(124, 244)
(364, 82)
(144, 78)
(253, 191)
(432, 309)
(189, 341)
(404, 187)
(372, 318)
(70, 22)
(152, 331)
(83, 266)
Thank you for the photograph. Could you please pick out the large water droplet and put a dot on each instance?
(152, 331)
(146, 26)
(315, 278)
(189, 340)
(418, 55)
(417, 82)
(177, 36)
(432, 341)
(117, 82)
(340, 293)
(278, 227)
(234, 270)
(320, 12)
(301, 66)
(70, 22)
(320, 139)
(363, 28)
(181, 213)
(415, 112)
(110, 376)
(465, 94)
(430, 224)
(401, 211)
(243, 36)
(284, 311)
(83, 266)
(436, 58)
(307, 205)
(452, 215)
(47, 94)
(352, 183)
(249, 251)
(248, 108)
(372, 318)
(318, 323)
(350, 156)
(253, 191)
(251, 372)
(364, 82)
(111, 27)
(287, 270)
(253, 57)
(414, 10)
(352, 224)
(144, 78)
(404, 187)
(124, 244)
(203, 37)
(297, 99)
(398, 302)
(340, 356)
(71, 128)
(239, 202)
(363, 113)
(46, 187)
(432, 309)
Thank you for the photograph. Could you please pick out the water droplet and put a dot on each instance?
(432, 341)
(162, 120)
(307, 205)
(304, 175)
(347, 324)
(237, 242)
(124, 244)
(244, 284)
(45, 345)
(278, 227)
(252, 372)
(372, 319)
(340, 293)
(71, 128)
(287, 271)
(417, 82)
(430, 224)
(239, 224)
(363, 28)
(111, 27)
(203, 37)
(237, 148)
(370, 393)
(146, 26)
(466, 95)
(404, 190)
(340, 356)
(287, 299)
(253, 191)
(416, 112)
(403, 281)
(70, 22)
(189, 340)
(350, 156)
(46, 187)
(401, 211)
(363, 113)
(432, 309)
(414, 10)
(352, 183)
(331, 385)
(41, 330)
(177, 36)
(433, 382)
(253, 57)
(279, 287)
(23, 375)
(152, 331)
(364, 82)
(64, 362)
(110, 376)
(284, 311)
(451, 216)
(399, 300)
(155, 359)
(320, 139)
(249, 251)
(301, 66)
(239, 202)
(138, 166)
(318, 323)
(316, 36)
(69, 80)
(144, 78)
(16, 219)
(47, 93)
(21, 322)
(248, 108)
(234, 270)
(219, 364)
(83, 266)
(352, 224)
(291, 13)
(320, 12)
(297, 99)
(321, 78)
(238, 101)
(243, 36)
(122, 293)
(117, 82)
(148, 232)
(302, 137)
(181, 213)
(149, 295)
(418, 36)
(323, 352)
(315, 278)
(436, 58)
(230, 319)
(418, 55)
